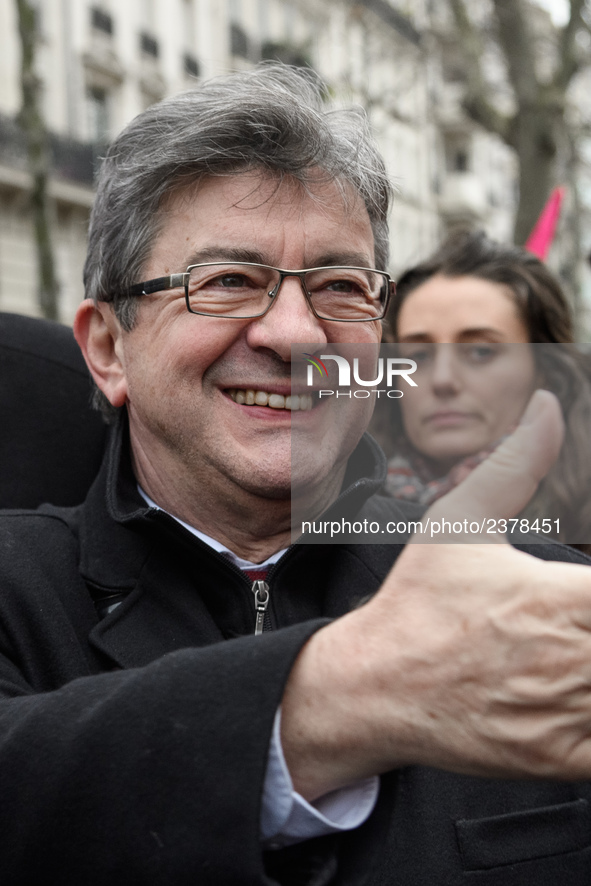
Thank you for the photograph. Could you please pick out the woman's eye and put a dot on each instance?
(419, 355)
(482, 353)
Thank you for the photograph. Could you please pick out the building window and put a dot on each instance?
(238, 41)
(99, 116)
(101, 21)
(453, 66)
(457, 152)
(460, 161)
(148, 45)
(190, 65)
(287, 53)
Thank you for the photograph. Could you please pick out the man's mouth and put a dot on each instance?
(250, 397)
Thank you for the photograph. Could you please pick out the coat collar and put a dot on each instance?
(174, 590)
(118, 529)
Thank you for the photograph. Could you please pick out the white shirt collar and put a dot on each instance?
(213, 542)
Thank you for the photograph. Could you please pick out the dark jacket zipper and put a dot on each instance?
(260, 590)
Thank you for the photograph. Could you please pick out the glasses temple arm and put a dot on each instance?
(159, 284)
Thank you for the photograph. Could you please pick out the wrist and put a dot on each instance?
(332, 712)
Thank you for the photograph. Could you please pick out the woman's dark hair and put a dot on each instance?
(538, 295)
(564, 368)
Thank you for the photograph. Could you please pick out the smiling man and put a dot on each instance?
(185, 697)
(199, 449)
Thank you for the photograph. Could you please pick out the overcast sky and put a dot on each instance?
(558, 9)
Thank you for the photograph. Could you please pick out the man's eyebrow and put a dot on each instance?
(234, 253)
(224, 253)
(342, 259)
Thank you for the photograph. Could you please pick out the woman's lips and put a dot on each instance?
(449, 418)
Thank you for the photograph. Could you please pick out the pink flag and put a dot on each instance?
(540, 239)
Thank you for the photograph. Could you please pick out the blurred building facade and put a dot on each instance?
(101, 62)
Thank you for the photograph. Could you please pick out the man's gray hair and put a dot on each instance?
(272, 118)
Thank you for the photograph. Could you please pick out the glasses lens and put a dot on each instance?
(230, 289)
(347, 293)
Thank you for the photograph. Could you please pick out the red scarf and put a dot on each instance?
(411, 477)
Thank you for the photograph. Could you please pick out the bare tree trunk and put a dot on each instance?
(535, 129)
(33, 126)
(536, 154)
(573, 260)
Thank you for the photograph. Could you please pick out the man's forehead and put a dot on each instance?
(252, 188)
(238, 197)
(270, 220)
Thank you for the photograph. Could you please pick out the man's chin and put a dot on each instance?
(276, 488)
(302, 482)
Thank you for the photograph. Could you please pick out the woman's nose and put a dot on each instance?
(445, 370)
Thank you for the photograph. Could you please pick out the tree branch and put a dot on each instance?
(33, 125)
(517, 45)
(478, 102)
(570, 56)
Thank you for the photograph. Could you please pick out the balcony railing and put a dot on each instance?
(70, 160)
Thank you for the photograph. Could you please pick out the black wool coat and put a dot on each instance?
(51, 440)
(136, 710)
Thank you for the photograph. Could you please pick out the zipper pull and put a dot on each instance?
(260, 590)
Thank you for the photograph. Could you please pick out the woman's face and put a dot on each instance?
(476, 371)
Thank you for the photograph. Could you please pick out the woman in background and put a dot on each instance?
(468, 316)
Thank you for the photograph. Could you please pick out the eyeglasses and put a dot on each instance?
(245, 290)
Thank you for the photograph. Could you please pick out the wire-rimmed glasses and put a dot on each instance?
(245, 290)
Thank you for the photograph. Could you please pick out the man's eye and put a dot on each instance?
(345, 286)
(232, 281)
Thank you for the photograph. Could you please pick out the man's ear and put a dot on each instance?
(99, 334)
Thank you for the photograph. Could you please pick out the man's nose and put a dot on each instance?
(289, 320)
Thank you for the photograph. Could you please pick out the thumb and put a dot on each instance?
(501, 486)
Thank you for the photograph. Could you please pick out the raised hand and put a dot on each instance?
(472, 657)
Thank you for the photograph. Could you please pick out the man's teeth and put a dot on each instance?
(249, 397)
